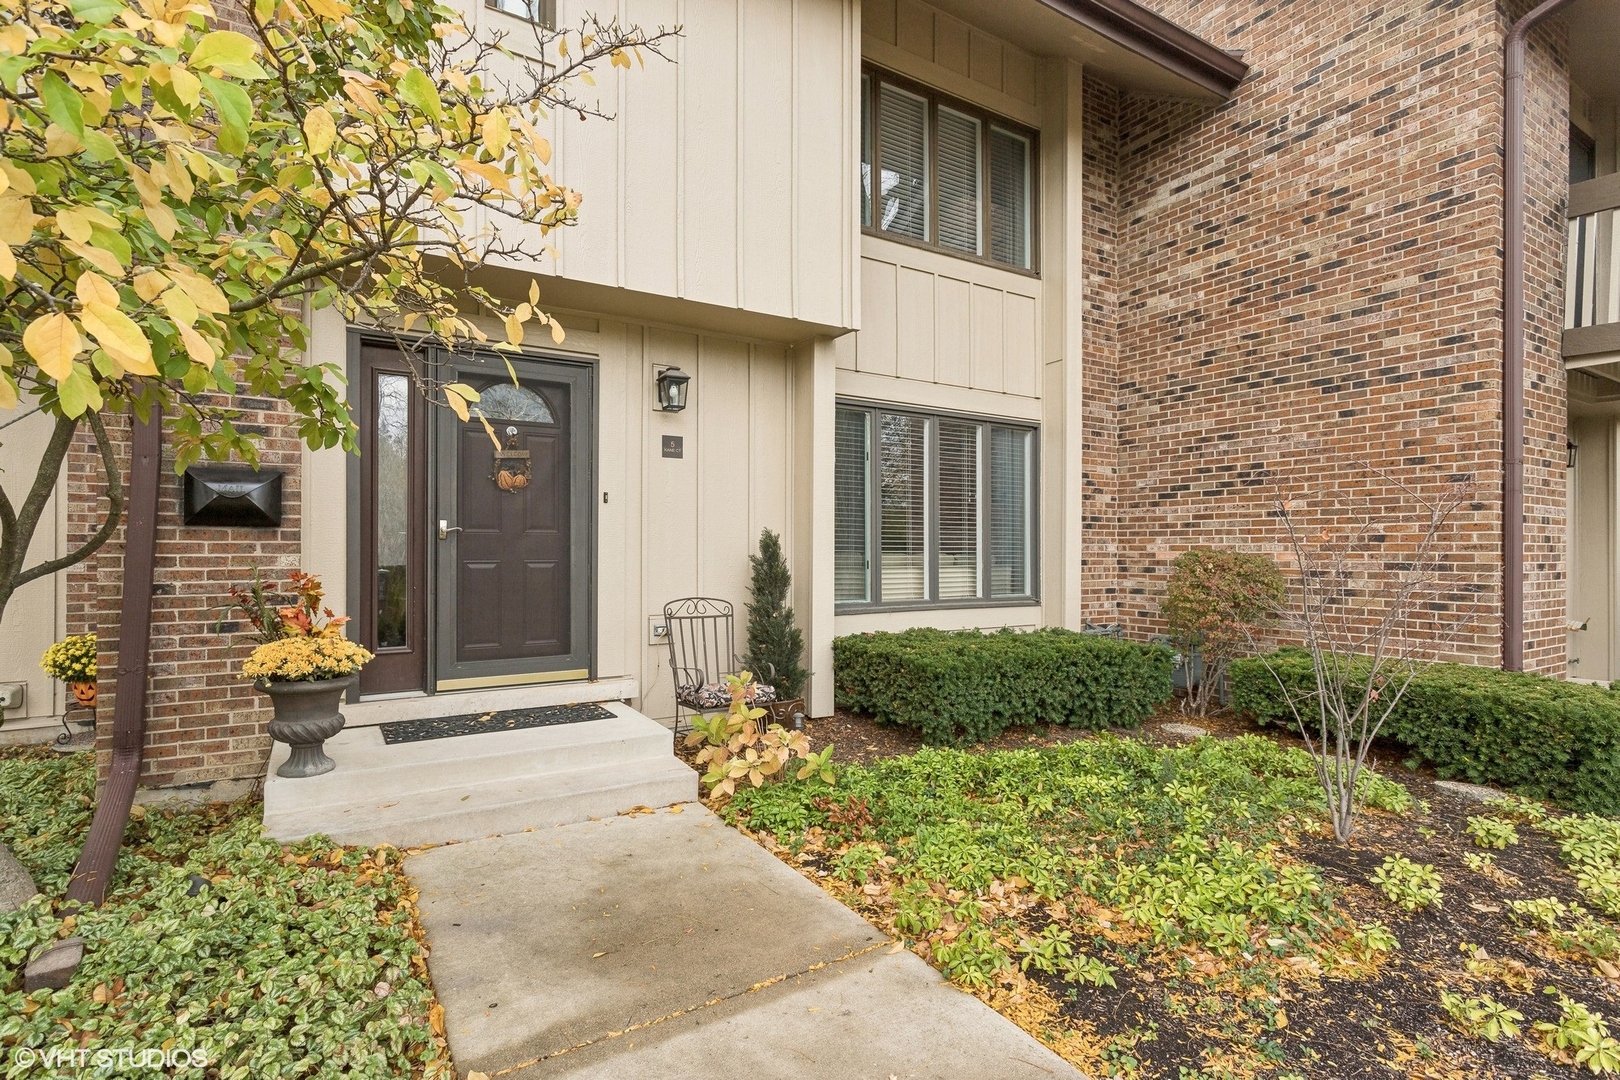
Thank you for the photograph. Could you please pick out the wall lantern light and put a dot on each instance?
(672, 386)
(1574, 448)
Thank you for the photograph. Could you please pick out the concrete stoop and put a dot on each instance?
(466, 787)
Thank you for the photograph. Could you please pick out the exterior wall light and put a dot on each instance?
(671, 389)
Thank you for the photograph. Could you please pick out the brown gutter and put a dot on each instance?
(1132, 26)
(94, 871)
(1513, 340)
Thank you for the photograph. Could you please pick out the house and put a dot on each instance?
(990, 309)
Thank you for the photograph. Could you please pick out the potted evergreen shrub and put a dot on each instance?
(305, 665)
(73, 660)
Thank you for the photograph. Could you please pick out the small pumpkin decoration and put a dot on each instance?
(513, 467)
(73, 660)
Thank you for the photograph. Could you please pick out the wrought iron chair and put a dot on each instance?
(702, 637)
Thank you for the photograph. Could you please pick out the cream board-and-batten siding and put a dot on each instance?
(724, 179)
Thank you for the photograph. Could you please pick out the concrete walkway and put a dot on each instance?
(669, 946)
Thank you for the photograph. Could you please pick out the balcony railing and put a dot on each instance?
(1592, 269)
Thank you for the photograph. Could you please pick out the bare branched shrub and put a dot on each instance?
(1375, 599)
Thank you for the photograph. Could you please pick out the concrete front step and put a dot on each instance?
(370, 770)
(467, 787)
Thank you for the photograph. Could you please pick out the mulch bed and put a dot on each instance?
(1385, 1025)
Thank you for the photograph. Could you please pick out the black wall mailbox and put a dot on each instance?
(233, 495)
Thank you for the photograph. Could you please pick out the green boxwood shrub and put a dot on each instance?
(968, 686)
(1540, 736)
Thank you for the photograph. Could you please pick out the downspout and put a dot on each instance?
(95, 868)
(1513, 340)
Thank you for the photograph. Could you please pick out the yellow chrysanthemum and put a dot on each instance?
(73, 659)
(305, 659)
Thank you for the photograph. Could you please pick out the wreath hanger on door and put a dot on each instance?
(513, 468)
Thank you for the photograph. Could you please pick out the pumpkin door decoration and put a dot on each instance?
(513, 468)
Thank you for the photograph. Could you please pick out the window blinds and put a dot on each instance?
(903, 480)
(1009, 197)
(956, 193)
(866, 150)
(958, 510)
(902, 139)
(1009, 512)
(850, 500)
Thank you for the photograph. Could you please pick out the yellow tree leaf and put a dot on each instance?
(8, 391)
(100, 258)
(53, 341)
(74, 223)
(204, 293)
(92, 288)
(362, 96)
(494, 438)
(457, 405)
(17, 219)
(116, 332)
(187, 87)
(146, 185)
(319, 130)
(8, 263)
(223, 49)
(149, 284)
(514, 329)
(20, 182)
(497, 132)
(179, 306)
(197, 346)
(179, 175)
(162, 219)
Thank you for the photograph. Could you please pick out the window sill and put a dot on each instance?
(863, 608)
(950, 253)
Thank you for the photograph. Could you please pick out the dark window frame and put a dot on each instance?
(875, 77)
(874, 511)
(541, 12)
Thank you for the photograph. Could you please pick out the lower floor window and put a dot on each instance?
(931, 508)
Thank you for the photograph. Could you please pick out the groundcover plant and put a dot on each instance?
(1186, 912)
(267, 960)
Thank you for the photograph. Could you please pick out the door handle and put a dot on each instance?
(445, 529)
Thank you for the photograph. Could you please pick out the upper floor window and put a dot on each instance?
(543, 12)
(947, 173)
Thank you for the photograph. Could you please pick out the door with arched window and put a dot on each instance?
(513, 526)
(471, 543)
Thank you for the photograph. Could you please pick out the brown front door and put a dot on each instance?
(514, 528)
(391, 588)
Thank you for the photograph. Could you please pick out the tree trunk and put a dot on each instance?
(19, 523)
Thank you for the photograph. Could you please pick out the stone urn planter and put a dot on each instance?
(306, 715)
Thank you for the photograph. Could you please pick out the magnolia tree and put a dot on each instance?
(180, 186)
(1376, 598)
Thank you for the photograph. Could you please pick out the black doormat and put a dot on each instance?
(449, 727)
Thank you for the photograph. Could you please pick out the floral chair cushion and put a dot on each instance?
(718, 695)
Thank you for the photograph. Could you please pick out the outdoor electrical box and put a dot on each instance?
(12, 695)
(233, 496)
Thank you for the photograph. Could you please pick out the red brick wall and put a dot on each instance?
(1099, 544)
(203, 722)
(1310, 275)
